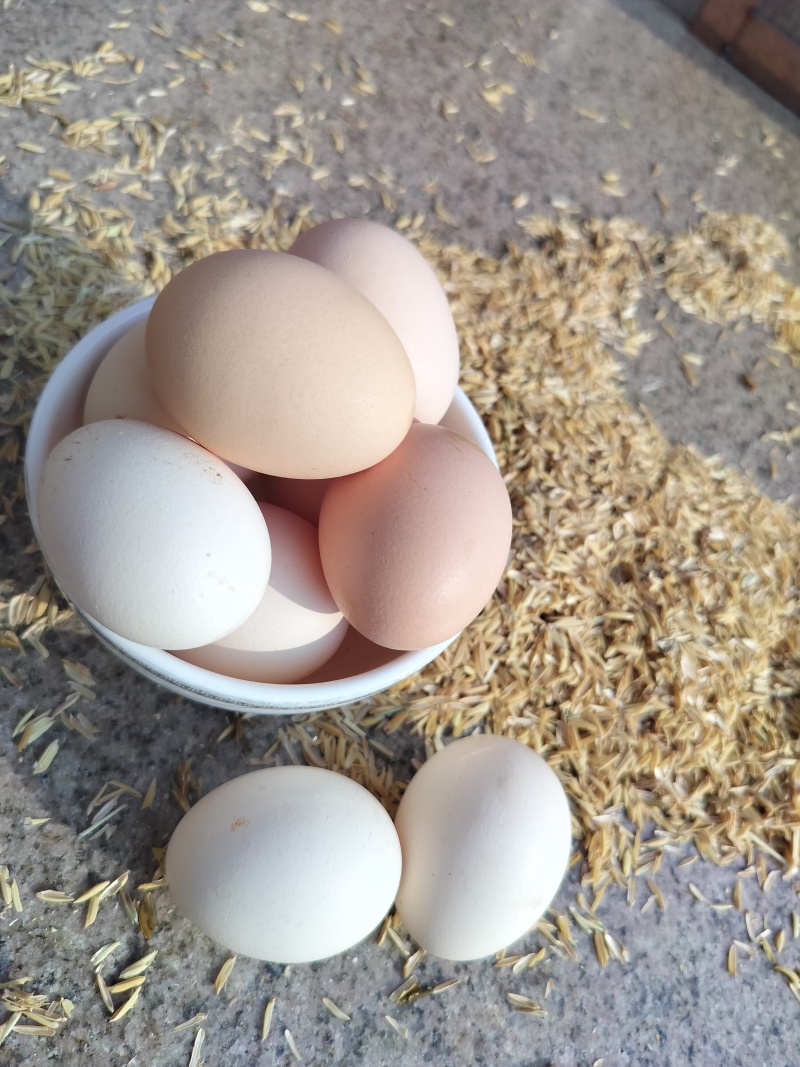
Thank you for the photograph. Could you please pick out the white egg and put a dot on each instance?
(484, 827)
(151, 534)
(296, 627)
(120, 389)
(290, 864)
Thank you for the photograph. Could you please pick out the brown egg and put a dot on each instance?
(279, 365)
(301, 496)
(413, 548)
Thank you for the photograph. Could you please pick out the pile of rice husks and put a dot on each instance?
(646, 636)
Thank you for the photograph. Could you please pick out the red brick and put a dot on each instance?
(721, 21)
(770, 60)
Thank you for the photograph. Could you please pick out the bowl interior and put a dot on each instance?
(359, 669)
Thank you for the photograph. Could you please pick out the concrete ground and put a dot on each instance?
(614, 85)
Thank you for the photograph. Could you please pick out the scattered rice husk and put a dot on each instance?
(649, 620)
(646, 637)
(224, 974)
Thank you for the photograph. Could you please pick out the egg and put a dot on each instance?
(302, 496)
(121, 389)
(290, 864)
(413, 548)
(484, 828)
(151, 534)
(296, 627)
(243, 473)
(279, 365)
(399, 281)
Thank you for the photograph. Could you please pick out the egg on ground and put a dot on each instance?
(290, 864)
(485, 831)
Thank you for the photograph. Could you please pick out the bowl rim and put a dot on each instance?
(186, 679)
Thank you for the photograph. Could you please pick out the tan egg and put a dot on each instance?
(121, 389)
(414, 547)
(296, 627)
(398, 280)
(279, 365)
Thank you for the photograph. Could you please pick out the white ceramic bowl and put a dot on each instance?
(359, 668)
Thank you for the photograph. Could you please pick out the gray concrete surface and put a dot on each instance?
(667, 101)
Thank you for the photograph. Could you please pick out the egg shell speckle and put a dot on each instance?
(151, 534)
(289, 864)
(485, 831)
(279, 365)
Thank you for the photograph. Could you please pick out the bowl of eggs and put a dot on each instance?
(263, 489)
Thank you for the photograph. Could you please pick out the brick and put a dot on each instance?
(770, 60)
(721, 21)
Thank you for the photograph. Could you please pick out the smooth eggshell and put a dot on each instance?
(414, 547)
(244, 473)
(279, 365)
(484, 827)
(290, 864)
(121, 389)
(296, 627)
(399, 281)
(302, 496)
(151, 534)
